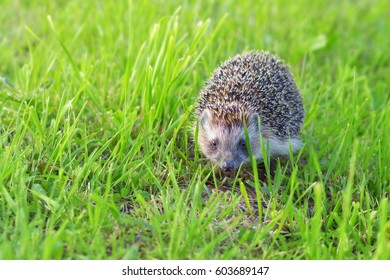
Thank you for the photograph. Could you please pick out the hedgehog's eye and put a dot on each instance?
(214, 143)
(242, 144)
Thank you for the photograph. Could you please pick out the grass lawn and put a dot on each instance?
(96, 158)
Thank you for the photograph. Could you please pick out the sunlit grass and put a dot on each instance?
(96, 156)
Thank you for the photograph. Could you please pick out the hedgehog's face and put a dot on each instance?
(224, 144)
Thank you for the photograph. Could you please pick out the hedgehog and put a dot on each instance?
(251, 94)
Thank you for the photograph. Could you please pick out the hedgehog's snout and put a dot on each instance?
(227, 169)
(227, 166)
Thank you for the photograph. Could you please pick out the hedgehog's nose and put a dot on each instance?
(227, 166)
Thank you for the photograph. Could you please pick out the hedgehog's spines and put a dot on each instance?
(255, 82)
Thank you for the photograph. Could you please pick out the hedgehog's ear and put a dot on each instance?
(253, 120)
(205, 118)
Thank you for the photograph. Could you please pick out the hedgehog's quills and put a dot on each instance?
(252, 88)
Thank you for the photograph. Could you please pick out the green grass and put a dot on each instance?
(95, 107)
